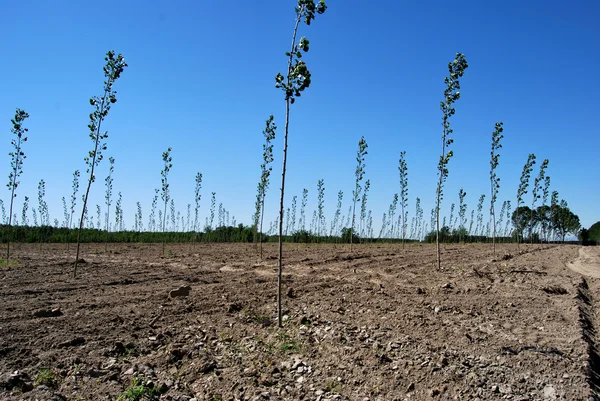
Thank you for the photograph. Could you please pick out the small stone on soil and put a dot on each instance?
(47, 312)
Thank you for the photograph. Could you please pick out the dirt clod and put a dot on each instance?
(16, 380)
(234, 307)
(555, 290)
(47, 312)
(182, 291)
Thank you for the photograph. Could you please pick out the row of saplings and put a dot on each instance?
(246, 234)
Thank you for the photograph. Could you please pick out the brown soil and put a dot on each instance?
(378, 323)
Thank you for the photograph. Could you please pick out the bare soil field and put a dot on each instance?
(378, 323)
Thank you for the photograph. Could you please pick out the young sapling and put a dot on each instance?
(65, 212)
(537, 187)
(391, 214)
(139, 227)
(508, 214)
(297, 79)
(522, 190)
(302, 222)
(173, 215)
(213, 203)
(152, 218)
(108, 181)
(320, 206)
(494, 179)
(418, 218)
(266, 168)
(165, 192)
(479, 227)
(197, 199)
(98, 217)
(359, 174)
(293, 215)
(403, 171)
(115, 65)
(501, 217)
(451, 94)
(16, 164)
(24, 219)
(119, 213)
(363, 206)
(188, 226)
(75, 188)
(545, 194)
(336, 216)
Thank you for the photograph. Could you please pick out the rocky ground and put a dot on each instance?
(377, 323)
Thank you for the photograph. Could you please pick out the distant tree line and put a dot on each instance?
(590, 236)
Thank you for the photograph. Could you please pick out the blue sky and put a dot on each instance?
(201, 80)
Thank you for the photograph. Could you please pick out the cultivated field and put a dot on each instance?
(379, 323)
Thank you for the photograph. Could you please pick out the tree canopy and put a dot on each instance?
(591, 234)
(549, 222)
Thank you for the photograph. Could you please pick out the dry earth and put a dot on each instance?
(588, 262)
(378, 323)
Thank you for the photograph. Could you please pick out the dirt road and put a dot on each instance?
(588, 262)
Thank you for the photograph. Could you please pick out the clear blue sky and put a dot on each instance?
(201, 80)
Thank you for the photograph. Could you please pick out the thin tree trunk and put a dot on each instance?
(107, 226)
(437, 215)
(280, 269)
(353, 217)
(493, 220)
(69, 232)
(402, 225)
(262, 217)
(12, 198)
(87, 191)
(163, 228)
(517, 230)
(285, 146)
(531, 226)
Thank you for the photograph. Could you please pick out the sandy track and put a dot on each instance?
(588, 262)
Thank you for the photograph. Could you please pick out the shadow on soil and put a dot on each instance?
(586, 315)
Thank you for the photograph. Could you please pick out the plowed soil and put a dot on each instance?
(377, 323)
